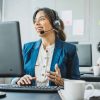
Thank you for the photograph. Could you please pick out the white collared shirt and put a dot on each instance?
(43, 64)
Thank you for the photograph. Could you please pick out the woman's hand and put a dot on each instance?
(56, 76)
(25, 80)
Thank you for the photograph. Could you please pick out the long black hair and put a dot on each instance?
(53, 16)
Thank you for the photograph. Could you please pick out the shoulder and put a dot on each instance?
(28, 46)
(69, 47)
(65, 44)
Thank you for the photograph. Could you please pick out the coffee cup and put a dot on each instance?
(96, 70)
(75, 89)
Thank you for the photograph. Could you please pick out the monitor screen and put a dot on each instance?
(84, 52)
(11, 61)
(73, 42)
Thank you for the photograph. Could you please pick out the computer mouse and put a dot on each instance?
(2, 94)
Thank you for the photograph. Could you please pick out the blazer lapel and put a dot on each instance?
(35, 55)
(55, 58)
(56, 54)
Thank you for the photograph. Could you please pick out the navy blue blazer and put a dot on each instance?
(64, 55)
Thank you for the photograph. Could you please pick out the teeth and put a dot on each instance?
(39, 28)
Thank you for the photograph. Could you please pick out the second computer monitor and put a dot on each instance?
(11, 60)
(84, 52)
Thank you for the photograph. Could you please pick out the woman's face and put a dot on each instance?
(42, 23)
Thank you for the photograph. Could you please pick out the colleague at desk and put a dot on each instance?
(50, 59)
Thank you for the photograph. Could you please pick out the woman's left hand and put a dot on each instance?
(56, 76)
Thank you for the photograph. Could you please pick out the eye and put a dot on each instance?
(42, 18)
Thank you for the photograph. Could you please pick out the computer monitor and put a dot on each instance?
(84, 52)
(11, 60)
(73, 42)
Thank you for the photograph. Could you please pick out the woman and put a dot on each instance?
(50, 59)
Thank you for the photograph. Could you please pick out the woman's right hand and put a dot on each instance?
(25, 80)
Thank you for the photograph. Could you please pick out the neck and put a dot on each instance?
(48, 40)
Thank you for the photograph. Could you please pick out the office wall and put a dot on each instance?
(88, 10)
(95, 27)
(0, 9)
(22, 10)
(1, 79)
(79, 11)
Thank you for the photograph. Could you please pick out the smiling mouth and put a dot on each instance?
(39, 29)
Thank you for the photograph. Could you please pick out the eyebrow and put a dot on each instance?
(41, 17)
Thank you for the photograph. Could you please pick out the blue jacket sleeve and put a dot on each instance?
(73, 64)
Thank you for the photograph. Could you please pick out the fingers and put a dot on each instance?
(56, 79)
(25, 80)
(52, 73)
(55, 76)
(57, 70)
(52, 76)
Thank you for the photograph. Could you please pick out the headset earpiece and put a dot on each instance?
(56, 23)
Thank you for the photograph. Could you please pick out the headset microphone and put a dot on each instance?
(42, 32)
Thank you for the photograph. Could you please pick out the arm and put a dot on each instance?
(26, 79)
(74, 64)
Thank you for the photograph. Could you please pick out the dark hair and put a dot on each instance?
(53, 16)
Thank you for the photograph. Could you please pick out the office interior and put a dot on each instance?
(84, 12)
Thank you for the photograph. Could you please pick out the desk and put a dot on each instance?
(90, 78)
(31, 96)
(87, 94)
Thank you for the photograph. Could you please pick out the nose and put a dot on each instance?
(37, 22)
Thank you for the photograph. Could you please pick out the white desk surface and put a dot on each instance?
(87, 95)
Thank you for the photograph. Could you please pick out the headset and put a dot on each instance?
(56, 22)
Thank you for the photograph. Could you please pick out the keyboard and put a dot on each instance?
(35, 89)
(83, 73)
